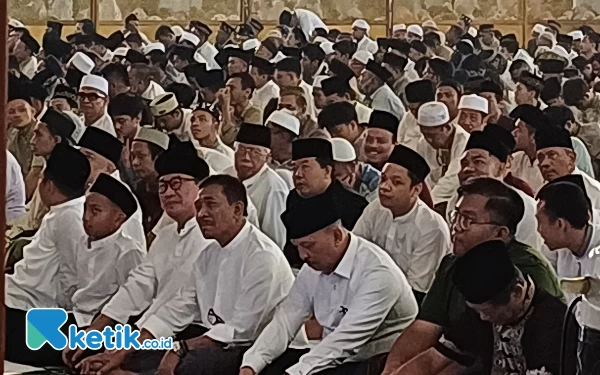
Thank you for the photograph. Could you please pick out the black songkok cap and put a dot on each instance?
(256, 135)
(313, 52)
(135, 57)
(68, 167)
(552, 136)
(338, 113)
(126, 104)
(61, 124)
(310, 215)
(384, 120)
(31, 43)
(411, 160)
(116, 192)
(335, 85)
(181, 158)
(263, 65)
(379, 71)
(102, 143)
(530, 115)
(483, 272)
(312, 148)
(502, 134)
(420, 91)
(482, 141)
(395, 60)
(339, 69)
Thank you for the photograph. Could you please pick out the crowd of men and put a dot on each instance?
(310, 202)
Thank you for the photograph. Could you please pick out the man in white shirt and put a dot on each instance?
(306, 20)
(15, 189)
(170, 117)
(442, 146)
(167, 267)
(93, 103)
(415, 236)
(24, 52)
(472, 111)
(141, 83)
(341, 121)
(42, 277)
(262, 72)
(285, 127)
(205, 49)
(556, 159)
(337, 89)
(524, 163)
(352, 287)
(360, 34)
(569, 230)
(417, 94)
(204, 132)
(372, 83)
(265, 188)
(238, 281)
(126, 112)
(107, 255)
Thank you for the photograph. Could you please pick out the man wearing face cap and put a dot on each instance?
(313, 175)
(511, 324)
(363, 328)
(42, 278)
(108, 205)
(154, 282)
(414, 235)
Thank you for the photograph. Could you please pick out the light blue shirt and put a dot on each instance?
(582, 157)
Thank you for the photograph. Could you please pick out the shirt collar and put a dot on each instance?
(377, 92)
(105, 240)
(239, 238)
(71, 203)
(101, 119)
(344, 268)
(187, 227)
(250, 181)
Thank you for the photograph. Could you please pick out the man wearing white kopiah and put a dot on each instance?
(168, 265)
(266, 189)
(171, 117)
(350, 286)
(472, 110)
(360, 33)
(441, 146)
(238, 281)
(93, 102)
(414, 235)
(285, 127)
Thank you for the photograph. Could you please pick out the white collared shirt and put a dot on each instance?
(417, 241)
(528, 171)
(15, 189)
(154, 90)
(269, 193)
(310, 99)
(367, 44)
(263, 95)
(105, 123)
(409, 134)
(384, 99)
(163, 272)
(44, 276)
(102, 267)
(363, 306)
(443, 185)
(209, 52)
(592, 188)
(241, 283)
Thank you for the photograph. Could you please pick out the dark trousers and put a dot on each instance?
(372, 366)
(588, 352)
(16, 348)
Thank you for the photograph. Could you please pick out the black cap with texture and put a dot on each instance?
(379, 71)
(102, 143)
(395, 61)
(310, 215)
(530, 115)
(483, 272)
(339, 69)
(411, 160)
(68, 167)
(384, 120)
(335, 85)
(116, 192)
(502, 134)
(256, 135)
(30, 42)
(338, 113)
(552, 136)
(421, 91)
(181, 158)
(479, 140)
(312, 148)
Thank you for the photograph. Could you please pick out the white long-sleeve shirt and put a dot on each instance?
(367, 44)
(105, 123)
(241, 284)
(46, 272)
(209, 52)
(363, 306)
(384, 99)
(15, 189)
(262, 96)
(443, 183)
(409, 134)
(165, 270)
(417, 241)
(102, 267)
(269, 192)
(309, 21)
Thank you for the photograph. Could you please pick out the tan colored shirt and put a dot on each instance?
(19, 144)
(251, 115)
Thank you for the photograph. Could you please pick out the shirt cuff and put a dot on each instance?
(299, 369)
(255, 363)
(157, 327)
(222, 333)
(114, 315)
(83, 319)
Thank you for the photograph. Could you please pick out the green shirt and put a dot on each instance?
(443, 304)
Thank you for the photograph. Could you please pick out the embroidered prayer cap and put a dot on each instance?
(421, 91)
(384, 120)
(433, 114)
(310, 215)
(343, 151)
(254, 135)
(285, 119)
(116, 192)
(92, 81)
(474, 102)
(164, 104)
(410, 160)
(151, 135)
(102, 143)
(478, 140)
(416, 30)
(68, 167)
(312, 148)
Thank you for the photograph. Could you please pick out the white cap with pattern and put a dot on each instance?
(82, 62)
(433, 114)
(164, 104)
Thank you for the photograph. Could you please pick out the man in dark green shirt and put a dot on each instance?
(487, 210)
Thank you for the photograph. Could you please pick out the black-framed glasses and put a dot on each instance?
(463, 222)
(213, 318)
(174, 183)
(90, 97)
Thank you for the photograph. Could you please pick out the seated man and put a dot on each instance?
(204, 132)
(107, 255)
(381, 138)
(42, 277)
(355, 175)
(285, 128)
(238, 281)
(414, 235)
(168, 264)
(360, 321)
(511, 325)
(488, 210)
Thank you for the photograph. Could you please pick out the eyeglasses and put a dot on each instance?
(252, 151)
(213, 318)
(90, 97)
(463, 222)
(174, 183)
